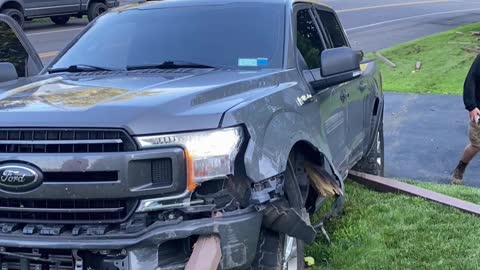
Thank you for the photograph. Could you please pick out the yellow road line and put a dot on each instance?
(48, 54)
(392, 5)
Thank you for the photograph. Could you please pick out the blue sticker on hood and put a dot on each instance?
(252, 62)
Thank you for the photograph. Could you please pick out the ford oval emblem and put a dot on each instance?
(19, 177)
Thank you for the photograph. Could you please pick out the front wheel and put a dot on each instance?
(60, 20)
(15, 14)
(374, 162)
(96, 9)
(277, 251)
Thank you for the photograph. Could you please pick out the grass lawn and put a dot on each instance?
(391, 231)
(444, 65)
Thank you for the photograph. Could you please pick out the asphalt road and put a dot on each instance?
(370, 24)
(376, 24)
(425, 136)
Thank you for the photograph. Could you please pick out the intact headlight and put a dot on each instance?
(209, 154)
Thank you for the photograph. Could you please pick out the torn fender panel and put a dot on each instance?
(276, 122)
(280, 217)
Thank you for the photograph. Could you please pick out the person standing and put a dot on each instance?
(471, 99)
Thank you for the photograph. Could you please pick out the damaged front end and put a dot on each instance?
(159, 239)
(160, 228)
(124, 203)
(129, 203)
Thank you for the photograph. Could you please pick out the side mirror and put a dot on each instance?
(339, 60)
(338, 65)
(7, 72)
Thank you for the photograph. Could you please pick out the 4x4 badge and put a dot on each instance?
(19, 177)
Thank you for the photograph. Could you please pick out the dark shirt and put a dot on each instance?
(471, 89)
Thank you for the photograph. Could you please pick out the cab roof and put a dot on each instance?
(154, 4)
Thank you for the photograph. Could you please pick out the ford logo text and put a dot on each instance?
(19, 177)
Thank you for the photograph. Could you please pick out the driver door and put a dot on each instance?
(16, 49)
(331, 103)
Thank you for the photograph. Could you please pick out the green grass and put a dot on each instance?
(444, 65)
(391, 231)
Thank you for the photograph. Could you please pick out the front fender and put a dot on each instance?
(275, 123)
(267, 156)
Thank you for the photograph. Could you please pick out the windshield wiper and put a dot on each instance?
(170, 65)
(80, 68)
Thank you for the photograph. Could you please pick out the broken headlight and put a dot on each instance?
(209, 154)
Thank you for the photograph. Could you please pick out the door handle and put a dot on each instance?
(343, 97)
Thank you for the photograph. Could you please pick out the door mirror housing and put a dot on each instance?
(338, 65)
(7, 72)
(339, 60)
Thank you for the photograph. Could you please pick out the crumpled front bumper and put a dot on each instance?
(238, 232)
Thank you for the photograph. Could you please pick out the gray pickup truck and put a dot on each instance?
(165, 122)
(59, 11)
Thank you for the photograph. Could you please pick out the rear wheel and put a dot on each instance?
(96, 9)
(15, 14)
(277, 251)
(373, 162)
(60, 20)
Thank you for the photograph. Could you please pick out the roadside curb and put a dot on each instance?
(383, 184)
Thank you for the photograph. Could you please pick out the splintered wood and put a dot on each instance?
(473, 50)
(385, 60)
(418, 66)
(206, 254)
(322, 181)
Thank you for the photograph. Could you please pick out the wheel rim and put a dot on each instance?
(290, 258)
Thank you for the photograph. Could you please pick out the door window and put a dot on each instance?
(333, 29)
(308, 39)
(12, 50)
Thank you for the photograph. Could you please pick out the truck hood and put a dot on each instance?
(143, 102)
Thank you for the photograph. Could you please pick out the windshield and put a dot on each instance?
(242, 35)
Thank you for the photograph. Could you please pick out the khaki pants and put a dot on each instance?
(474, 134)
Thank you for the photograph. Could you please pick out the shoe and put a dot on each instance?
(457, 175)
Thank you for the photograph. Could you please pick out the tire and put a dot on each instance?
(16, 14)
(272, 246)
(270, 252)
(96, 9)
(374, 162)
(60, 20)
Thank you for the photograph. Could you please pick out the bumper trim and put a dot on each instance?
(242, 222)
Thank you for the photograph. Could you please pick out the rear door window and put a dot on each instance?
(333, 29)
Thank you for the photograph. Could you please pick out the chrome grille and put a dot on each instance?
(65, 211)
(64, 141)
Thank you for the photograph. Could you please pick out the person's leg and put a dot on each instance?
(468, 154)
